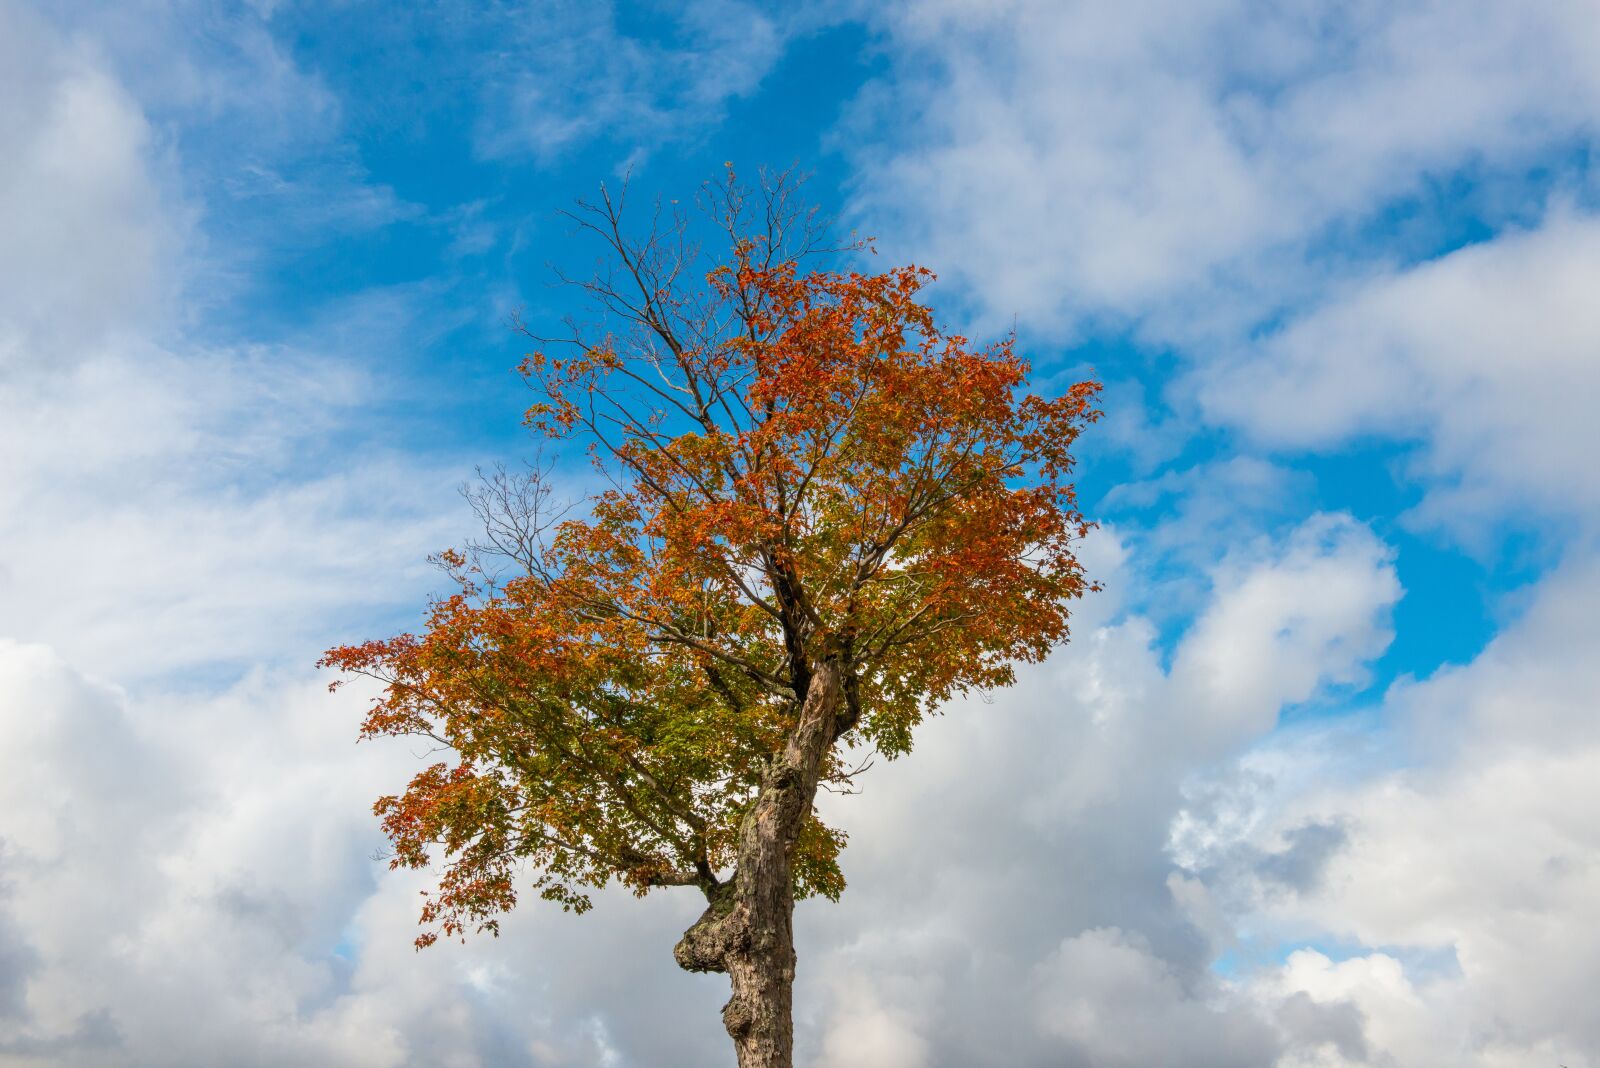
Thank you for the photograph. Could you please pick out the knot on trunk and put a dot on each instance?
(720, 931)
(782, 776)
(738, 1017)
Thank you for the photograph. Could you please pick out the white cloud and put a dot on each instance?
(1282, 627)
(183, 857)
(1176, 162)
(197, 887)
(1025, 840)
(1467, 878)
(166, 504)
(1119, 1005)
(185, 872)
(85, 240)
(1252, 187)
(566, 75)
(236, 830)
(861, 1032)
(166, 511)
(1489, 356)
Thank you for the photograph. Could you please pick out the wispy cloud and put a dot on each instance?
(566, 74)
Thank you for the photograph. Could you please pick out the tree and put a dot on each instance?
(824, 517)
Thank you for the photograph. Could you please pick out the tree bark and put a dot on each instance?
(748, 929)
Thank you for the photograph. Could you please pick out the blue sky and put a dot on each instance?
(1310, 787)
(455, 231)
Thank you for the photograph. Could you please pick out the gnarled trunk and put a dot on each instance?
(748, 930)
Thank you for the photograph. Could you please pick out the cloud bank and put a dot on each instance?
(1199, 835)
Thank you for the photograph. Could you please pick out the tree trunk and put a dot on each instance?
(748, 930)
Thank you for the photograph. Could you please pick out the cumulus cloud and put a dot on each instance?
(1281, 627)
(85, 242)
(1117, 1004)
(248, 923)
(167, 503)
(860, 1032)
(172, 518)
(185, 840)
(1026, 839)
(1260, 191)
(1181, 164)
(190, 879)
(1487, 358)
(1465, 879)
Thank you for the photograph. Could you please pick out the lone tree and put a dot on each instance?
(826, 516)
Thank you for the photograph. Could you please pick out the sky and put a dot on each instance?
(1314, 785)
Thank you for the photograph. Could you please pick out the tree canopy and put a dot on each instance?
(805, 475)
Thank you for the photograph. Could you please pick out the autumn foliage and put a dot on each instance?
(804, 471)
